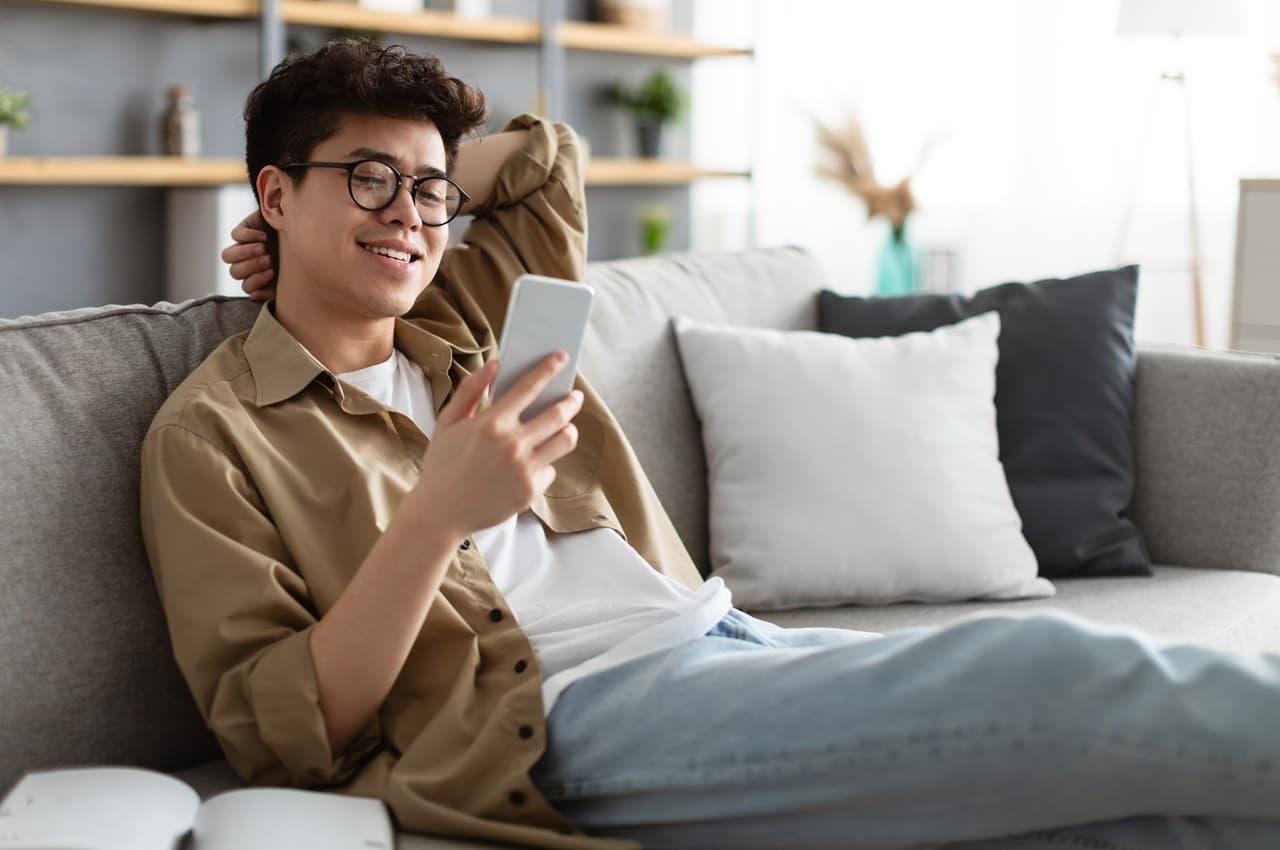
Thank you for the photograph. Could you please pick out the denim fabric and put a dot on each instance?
(1000, 731)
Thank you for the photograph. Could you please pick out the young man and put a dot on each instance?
(378, 583)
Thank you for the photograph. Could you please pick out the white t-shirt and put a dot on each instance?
(586, 600)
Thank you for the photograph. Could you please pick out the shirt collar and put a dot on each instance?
(282, 367)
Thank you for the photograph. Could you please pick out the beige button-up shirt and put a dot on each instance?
(266, 481)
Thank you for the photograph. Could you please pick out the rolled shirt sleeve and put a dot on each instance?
(535, 222)
(239, 614)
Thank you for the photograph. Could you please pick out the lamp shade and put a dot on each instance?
(1179, 17)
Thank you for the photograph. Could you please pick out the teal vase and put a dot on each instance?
(899, 272)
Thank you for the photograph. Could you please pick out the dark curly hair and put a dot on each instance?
(303, 100)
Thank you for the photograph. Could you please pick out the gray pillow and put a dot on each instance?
(1064, 403)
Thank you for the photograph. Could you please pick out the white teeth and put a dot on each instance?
(388, 252)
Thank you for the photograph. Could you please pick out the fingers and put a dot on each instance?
(250, 229)
(542, 478)
(260, 287)
(240, 251)
(244, 269)
(526, 389)
(559, 445)
(467, 394)
(555, 417)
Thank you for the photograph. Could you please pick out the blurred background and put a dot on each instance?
(1037, 138)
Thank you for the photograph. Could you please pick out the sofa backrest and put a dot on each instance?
(630, 354)
(84, 652)
(87, 672)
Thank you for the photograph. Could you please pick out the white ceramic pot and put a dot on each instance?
(4, 139)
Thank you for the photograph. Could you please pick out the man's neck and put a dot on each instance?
(343, 343)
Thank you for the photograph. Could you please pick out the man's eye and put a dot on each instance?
(370, 182)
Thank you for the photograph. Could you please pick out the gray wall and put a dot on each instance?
(97, 81)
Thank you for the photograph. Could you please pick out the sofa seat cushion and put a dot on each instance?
(1226, 609)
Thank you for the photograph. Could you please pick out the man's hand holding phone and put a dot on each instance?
(484, 464)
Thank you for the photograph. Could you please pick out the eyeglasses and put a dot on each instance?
(373, 185)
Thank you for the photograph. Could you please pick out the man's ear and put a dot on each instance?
(271, 192)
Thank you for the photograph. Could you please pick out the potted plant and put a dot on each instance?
(654, 103)
(12, 113)
(655, 226)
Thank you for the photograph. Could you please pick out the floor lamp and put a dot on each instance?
(1175, 19)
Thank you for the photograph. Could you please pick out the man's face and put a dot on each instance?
(326, 239)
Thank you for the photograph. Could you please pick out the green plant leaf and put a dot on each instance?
(12, 106)
(658, 97)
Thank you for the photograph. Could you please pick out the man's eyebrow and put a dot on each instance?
(383, 156)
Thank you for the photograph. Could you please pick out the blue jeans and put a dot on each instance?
(997, 731)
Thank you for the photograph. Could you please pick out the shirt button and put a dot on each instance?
(526, 731)
(516, 798)
(466, 544)
(520, 665)
(496, 615)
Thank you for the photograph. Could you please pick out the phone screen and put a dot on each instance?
(544, 315)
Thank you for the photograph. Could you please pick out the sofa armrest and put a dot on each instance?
(1207, 438)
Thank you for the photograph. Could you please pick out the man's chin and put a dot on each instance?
(387, 301)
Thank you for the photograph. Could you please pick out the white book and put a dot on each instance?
(124, 808)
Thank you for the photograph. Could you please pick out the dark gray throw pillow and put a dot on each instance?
(1064, 405)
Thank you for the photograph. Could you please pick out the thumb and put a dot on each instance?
(467, 395)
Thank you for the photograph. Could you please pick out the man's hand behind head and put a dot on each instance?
(249, 259)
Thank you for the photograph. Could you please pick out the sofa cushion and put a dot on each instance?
(1231, 610)
(829, 485)
(1064, 398)
(88, 672)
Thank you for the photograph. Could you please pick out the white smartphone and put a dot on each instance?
(545, 314)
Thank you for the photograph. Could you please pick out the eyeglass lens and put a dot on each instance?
(373, 186)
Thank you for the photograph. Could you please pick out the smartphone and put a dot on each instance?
(545, 314)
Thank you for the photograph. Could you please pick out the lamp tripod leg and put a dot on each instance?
(1193, 218)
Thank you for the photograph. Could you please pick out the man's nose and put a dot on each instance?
(403, 209)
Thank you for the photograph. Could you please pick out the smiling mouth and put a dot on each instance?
(391, 253)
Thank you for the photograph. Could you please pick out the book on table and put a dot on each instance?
(112, 808)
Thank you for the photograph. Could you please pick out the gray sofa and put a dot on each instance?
(87, 672)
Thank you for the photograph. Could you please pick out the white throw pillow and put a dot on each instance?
(856, 471)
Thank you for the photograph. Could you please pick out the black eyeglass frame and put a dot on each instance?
(350, 168)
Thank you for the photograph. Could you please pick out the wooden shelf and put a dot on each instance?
(177, 171)
(574, 35)
(121, 171)
(195, 8)
(640, 172)
(429, 22)
(610, 38)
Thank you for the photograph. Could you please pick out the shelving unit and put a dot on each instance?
(562, 35)
(549, 37)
